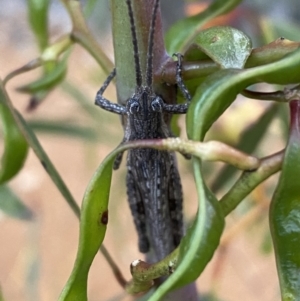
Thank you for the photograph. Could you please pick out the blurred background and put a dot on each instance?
(38, 248)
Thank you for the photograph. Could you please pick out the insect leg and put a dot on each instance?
(119, 156)
(175, 203)
(179, 80)
(179, 108)
(105, 103)
(137, 211)
(118, 160)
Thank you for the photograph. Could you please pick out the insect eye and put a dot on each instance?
(156, 104)
(134, 106)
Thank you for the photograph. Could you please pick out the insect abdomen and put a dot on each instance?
(155, 198)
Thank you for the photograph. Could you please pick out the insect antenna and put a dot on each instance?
(150, 44)
(138, 73)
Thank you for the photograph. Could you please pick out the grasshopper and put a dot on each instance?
(153, 182)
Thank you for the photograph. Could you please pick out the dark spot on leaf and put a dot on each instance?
(104, 218)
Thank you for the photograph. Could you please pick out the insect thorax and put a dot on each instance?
(145, 115)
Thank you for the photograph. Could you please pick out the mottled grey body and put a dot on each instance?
(154, 191)
(153, 183)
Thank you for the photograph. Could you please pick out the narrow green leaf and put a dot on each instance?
(38, 19)
(220, 89)
(39, 151)
(49, 80)
(15, 146)
(249, 180)
(227, 46)
(182, 32)
(200, 242)
(93, 221)
(69, 129)
(285, 214)
(271, 52)
(11, 205)
(266, 54)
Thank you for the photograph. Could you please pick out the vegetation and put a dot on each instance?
(219, 65)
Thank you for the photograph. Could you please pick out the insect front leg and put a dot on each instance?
(179, 108)
(105, 103)
(119, 156)
(185, 92)
(111, 107)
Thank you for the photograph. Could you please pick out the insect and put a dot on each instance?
(153, 183)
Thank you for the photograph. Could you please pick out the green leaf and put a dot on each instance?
(38, 19)
(227, 46)
(182, 32)
(11, 205)
(285, 214)
(200, 242)
(69, 129)
(249, 180)
(93, 221)
(248, 142)
(15, 146)
(49, 80)
(39, 151)
(220, 89)
(271, 52)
